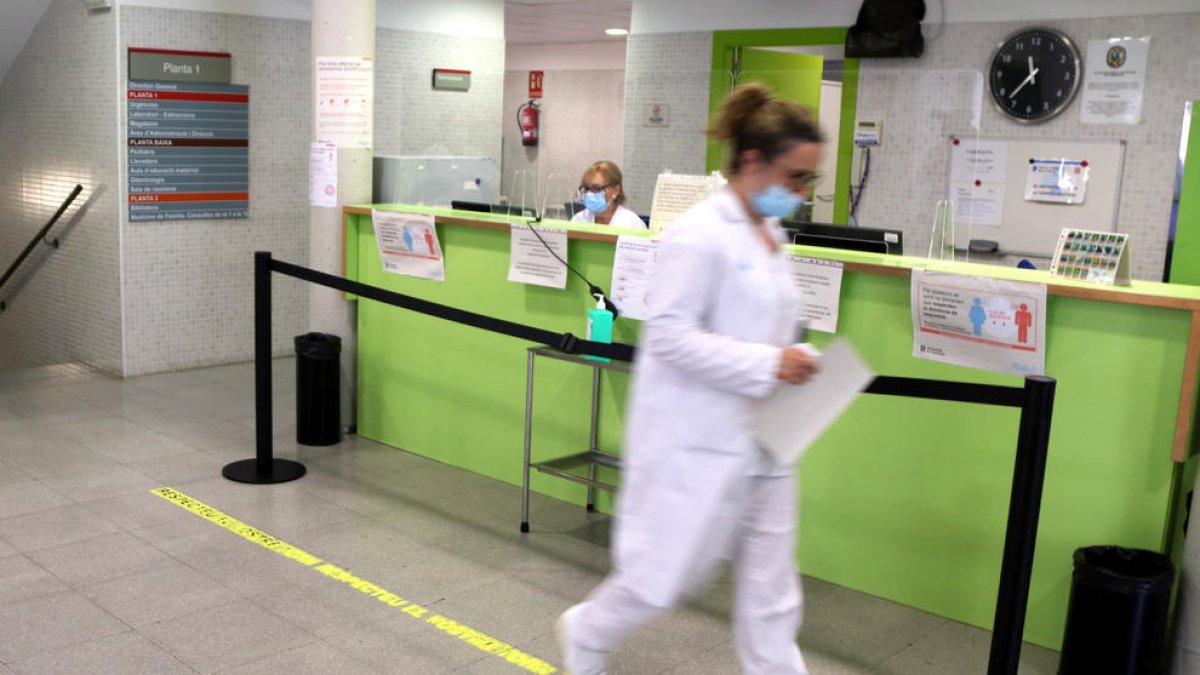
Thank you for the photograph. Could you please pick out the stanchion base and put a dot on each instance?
(278, 471)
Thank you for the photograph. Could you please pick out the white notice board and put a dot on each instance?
(1032, 227)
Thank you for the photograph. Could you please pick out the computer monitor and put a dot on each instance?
(511, 210)
(872, 239)
(478, 207)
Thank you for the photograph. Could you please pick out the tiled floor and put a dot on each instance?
(99, 575)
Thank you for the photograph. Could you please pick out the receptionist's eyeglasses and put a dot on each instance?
(802, 181)
(595, 187)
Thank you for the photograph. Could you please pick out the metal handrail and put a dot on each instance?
(40, 236)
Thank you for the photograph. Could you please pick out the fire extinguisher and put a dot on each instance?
(527, 120)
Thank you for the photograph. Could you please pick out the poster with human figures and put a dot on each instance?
(408, 244)
(979, 323)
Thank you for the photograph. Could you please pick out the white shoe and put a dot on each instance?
(578, 660)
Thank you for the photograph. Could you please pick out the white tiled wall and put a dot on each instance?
(582, 122)
(411, 118)
(189, 284)
(921, 101)
(57, 112)
(670, 68)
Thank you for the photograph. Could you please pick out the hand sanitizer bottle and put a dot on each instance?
(599, 324)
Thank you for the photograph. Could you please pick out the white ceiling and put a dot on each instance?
(525, 22)
(554, 21)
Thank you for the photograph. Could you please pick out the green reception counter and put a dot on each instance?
(902, 498)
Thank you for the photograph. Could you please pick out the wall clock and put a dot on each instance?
(1034, 74)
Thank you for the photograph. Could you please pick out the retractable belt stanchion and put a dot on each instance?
(1029, 473)
(263, 468)
(1036, 401)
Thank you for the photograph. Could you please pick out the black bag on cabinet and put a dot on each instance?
(887, 28)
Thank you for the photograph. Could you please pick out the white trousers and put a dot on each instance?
(756, 530)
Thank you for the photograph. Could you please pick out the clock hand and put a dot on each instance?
(1032, 71)
(1028, 79)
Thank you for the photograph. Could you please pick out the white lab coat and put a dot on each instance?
(696, 488)
(622, 217)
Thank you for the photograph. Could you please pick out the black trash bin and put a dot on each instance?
(1117, 617)
(318, 389)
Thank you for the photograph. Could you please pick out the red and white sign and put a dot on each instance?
(535, 83)
(979, 323)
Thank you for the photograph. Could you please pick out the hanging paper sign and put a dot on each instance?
(322, 174)
(632, 262)
(979, 323)
(820, 286)
(408, 244)
(538, 256)
(345, 95)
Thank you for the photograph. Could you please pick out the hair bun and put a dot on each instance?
(738, 107)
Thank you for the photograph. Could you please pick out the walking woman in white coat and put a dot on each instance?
(721, 334)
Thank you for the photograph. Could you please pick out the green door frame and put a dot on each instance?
(724, 42)
(1185, 259)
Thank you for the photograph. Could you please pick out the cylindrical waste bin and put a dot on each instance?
(318, 389)
(1117, 616)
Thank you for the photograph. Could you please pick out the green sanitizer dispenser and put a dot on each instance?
(599, 324)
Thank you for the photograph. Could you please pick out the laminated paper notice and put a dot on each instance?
(675, 194)
(408, 244)
(979, 323)
(820, 286)
(538, 257)
(345, 91)
(1116, 78)
(322, 174)
(632, 263)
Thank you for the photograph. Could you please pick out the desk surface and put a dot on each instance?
(1151, 294)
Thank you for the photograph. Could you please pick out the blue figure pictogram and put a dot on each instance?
(978, 316)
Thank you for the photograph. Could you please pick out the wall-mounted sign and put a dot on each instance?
(657, 115)
(172, 65)
(188, 150)
(446, 79)
(1116, 76)
(535, 83)
(345, 100)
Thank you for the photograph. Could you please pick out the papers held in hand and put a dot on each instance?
(793, 416)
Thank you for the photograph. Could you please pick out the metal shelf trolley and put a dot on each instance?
(566, 467)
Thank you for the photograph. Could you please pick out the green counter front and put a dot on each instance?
(902, 498)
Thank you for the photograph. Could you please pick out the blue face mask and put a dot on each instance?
(776, 202)
(595, 202)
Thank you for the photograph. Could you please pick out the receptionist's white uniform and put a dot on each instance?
(696, 488)
(622, 217)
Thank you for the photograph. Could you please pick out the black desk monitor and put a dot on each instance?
(478, 207)
(510, 210)
(484, 207)
(875, 240)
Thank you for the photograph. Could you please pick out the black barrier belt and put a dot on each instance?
(565, 342)
(942, 390)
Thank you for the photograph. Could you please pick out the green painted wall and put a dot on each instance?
(901, 498)
(724, 42)
(1185, 261)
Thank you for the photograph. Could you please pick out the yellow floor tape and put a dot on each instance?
(480, 641)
